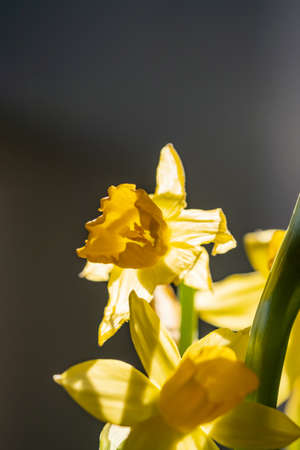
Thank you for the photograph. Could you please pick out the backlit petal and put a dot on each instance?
(155, 347)
(196, 440)
(257, 249)
(153, 434)
(96, 271)
(170, 183)
(252, 425)
(110, 390)
(198, 277)
(167, 307)
(223, 337)
(112, 437)
(232, 302)
(197, 227)
(121, 283)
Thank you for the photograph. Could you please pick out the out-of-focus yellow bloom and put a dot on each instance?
(184, 403)
(234, 300)
(141, 241)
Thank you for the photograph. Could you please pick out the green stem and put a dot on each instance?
(277, 310)
(189, 323)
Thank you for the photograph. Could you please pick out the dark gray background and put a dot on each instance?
(89, 93)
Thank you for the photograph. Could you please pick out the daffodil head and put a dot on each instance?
(183, 403)
(130, 233)
(141, 241)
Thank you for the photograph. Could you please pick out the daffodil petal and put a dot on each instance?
(196, 440)
(112, 437)
(155, 347)
(152, 434)
(222, 337)
(110, 390)
(233, 301)
(121, 283)
(170, 178)
(170, 194)
(167, 307)
(198, 277)
(257, 249)
(197, 227)
(292, 409)
(96, 271)
(252, 425)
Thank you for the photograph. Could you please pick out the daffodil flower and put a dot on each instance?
(183, 403)
(233, 301)
(141, 241)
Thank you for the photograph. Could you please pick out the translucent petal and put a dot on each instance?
(292, 409)
(110, 390)
(155, 347)
(96, 271)
(170, 183)
(223, 337)
(252, 425)
(196, 440)
(198, 277)
(121, 283)
(170, 178)
(233, 301)
(257, 249)
(196, 227)
(167, 307)
(112, 437)
(153, 434)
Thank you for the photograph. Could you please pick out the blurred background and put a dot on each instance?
(89, 94)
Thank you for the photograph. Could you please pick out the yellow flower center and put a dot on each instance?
(130, 233)
(204, 387)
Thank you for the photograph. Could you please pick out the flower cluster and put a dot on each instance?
(140, 244)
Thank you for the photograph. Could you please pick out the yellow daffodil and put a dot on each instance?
(234, 300)
(183, 403)
(141, 241)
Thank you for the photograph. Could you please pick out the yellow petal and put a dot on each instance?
(121, 283)
(198, 277)
(197, 227)
(167, 307)
(155, 347)
(196, 440)
(110, 390)
(96, 271)
(222, 337)
(275, 244)
(292, 409)
(170, 183)
(112, 437)
(257, 249)
(204, 387)
(153, 434)
(251, 425)
(233, 301)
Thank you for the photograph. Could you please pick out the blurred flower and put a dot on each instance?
(141, 241)
(233, 301)
(185, 403)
